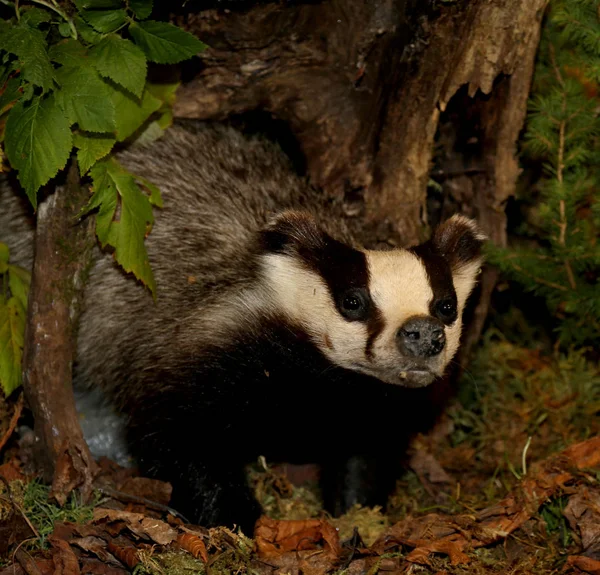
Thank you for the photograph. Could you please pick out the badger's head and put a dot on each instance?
(394, 315)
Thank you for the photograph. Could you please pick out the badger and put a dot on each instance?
(274, 332)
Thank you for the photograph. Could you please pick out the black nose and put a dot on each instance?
(421, 336)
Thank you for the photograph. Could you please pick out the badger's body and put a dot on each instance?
(269, 337)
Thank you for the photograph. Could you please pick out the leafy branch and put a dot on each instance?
(74, 86)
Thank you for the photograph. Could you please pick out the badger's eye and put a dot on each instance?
(446, 310)
(354, 304)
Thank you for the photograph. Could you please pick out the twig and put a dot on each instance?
(13, 422)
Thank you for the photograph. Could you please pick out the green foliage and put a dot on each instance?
(14, 287)
(563, 135)
(73, 75)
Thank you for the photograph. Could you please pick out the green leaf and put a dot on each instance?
(155, 195)
(12, 329)
(105, 198)
(128, 233)
(87, 33)
(91, 148)
(68, 52)
(29, 46)
(105, 20)
(131, 113)
(19, 281)
(37, 142)
(10, 95)
(4, 253)
(141, 8)
(164, 43)
(33, 17)
(121, 61)
(86, 98)
(64, 29)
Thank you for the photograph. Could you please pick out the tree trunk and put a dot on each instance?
(367, 87)
(63, 247)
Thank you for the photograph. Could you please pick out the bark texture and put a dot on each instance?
(63, 248)
(362, 85)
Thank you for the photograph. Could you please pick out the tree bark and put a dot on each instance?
(366, 88)
(63, 247)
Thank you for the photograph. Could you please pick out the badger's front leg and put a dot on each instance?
(357, 478)
(179, 436)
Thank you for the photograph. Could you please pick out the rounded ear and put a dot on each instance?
(292, 231)
(460, 241)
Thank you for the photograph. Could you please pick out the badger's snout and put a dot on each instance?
(421, 336)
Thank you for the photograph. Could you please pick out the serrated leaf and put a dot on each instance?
(4, 253)
(85, 98)
(128, 233)
(10, 95)
(91, 148)
(19, 281)
(141, 8)
(87, 33)
(164, 43)
(37, 142)
(155, 195)
(12, 329)
(33, 17)
(121, 61)
(105, 198)
(131, 113)
(29, 46)
(68, 52)
(104, 20)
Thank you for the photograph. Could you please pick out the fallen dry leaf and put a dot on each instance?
(146, 527)
(127, 555)
(92, 566)
(276, 537)
(11, 470)
(583, 514)
(194, 545)
(583, 565)
(494, 523)
(64, 559)
(97, 546)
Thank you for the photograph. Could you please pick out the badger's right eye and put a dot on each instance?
(354, 304)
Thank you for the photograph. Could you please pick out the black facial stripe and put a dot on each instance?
(341, 266)
(375, 325)
(439, 274)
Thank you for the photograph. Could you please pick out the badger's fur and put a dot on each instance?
(274, 333)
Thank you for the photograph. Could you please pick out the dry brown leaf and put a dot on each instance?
(423, 549)
(276, 537)
(65, 560)
(583, 513)
(194, 545)
(97, 546)
(127, 555)
(146, 527)
(93, 566)
(497, 522)
(11, 470)
(582, 565)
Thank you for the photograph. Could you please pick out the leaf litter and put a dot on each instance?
(473, 500)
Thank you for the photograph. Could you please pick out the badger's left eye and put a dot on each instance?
(354, 304)
(446, 310)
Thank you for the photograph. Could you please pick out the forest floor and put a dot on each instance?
(507, 482)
